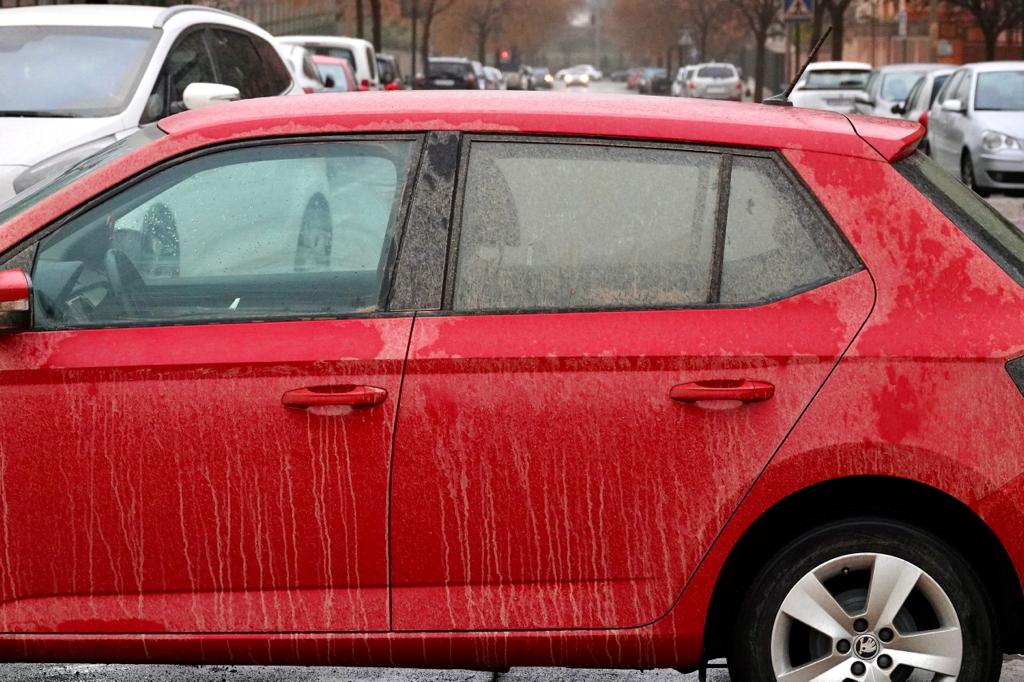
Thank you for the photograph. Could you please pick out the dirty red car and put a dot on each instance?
(494, 380)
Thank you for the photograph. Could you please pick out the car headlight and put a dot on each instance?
(585, 78)
(549, 78)
(58, 163)
(994, 142)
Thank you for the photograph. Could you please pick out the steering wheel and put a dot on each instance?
(125, 281)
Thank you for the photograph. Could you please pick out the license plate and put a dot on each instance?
(444, 82)
(716, 90)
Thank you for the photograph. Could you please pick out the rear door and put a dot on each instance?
(630, 331)
(200, 422)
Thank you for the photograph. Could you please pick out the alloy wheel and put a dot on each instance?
(866, 617)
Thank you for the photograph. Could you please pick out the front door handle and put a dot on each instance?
(337, 394)
(744, 390)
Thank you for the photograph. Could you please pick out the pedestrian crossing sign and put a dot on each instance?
(797, 10)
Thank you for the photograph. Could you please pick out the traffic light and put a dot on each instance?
(504, 55)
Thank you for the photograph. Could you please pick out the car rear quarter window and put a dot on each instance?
(256, 73)
(275, 231)
(565, 226)
(777, 241)
(985, 226)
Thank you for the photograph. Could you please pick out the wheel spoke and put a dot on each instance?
(892, 581)
(937, 651)
(813, 605)
(827, 669)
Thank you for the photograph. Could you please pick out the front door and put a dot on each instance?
(197, 431)
(612, 372)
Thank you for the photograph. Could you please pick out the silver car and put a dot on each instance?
(888, 87)
(921, 98)
(716, 81)
(976, 126)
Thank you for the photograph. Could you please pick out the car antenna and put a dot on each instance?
(782, 100)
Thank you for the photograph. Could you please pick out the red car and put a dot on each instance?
(489, 380)
(336, 74)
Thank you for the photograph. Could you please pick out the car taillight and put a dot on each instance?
(692, 85)
(739, 85)
(470, 79)
(308, 90)
(393, 85)
(923, 119)
(364, 85)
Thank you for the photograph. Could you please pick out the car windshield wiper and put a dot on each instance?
(37, 114)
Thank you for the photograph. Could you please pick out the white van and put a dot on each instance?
(357, 52)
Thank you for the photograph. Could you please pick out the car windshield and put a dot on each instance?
(896, 86)
(1000, 91)
(337, 72)
(837, 79)
(986, 227)
(716, 72)
(51, 185)
(71, 71)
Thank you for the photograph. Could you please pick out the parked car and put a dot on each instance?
(647, 79)
(76, 78)
(336, 74)
(661, 83)
(715, 81)
(452, 73)
(888, 87)
(390, 72)
(831, 86)
(593, 72)
(521, 78)
(976, 126)
(620, 76)
(921, 97)
(303, 263)
(543, 78)
(494, 79)
(358, 52)
(304, 71)
(684, 77)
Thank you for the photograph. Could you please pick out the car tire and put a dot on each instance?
(968, 176)
(946, 611)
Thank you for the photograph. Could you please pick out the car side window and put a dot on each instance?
(951, 87)
(584, 226)
(963, 89)
(776, 240)
(552, 226)
(239, 64)
(274, 231)
(187, 62)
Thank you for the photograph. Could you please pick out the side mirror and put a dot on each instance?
(198, 95)
(329, 82)
(15, 293)
(954, 105)
(898, 109)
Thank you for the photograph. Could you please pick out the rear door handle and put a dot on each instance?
(338, 394)
(744, 390)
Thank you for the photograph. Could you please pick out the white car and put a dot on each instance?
(833, 86)
(304, 71)
(359, 54)
(593, 73)
(75, 78)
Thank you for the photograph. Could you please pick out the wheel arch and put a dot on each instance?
(899, 499)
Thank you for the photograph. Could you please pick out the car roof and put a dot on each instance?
(996, 66)
(329, 41)
(82, 15)
(825, 66)
(130, 16)
(911, 67)
(661, 119)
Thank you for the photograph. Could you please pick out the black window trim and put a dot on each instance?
(161, 80)
(252, 37)
(27, 248)
(855, 266)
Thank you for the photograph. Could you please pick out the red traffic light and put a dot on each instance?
(505, 54)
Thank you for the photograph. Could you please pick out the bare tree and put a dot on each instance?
(378, 24)
(760, 16)
(429, 10)
(993, 17)
(484, 18)
(705, 16)
(837, 13)
(360, 19)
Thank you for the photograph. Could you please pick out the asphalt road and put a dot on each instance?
(1013, 671)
